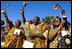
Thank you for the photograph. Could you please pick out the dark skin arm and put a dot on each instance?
(53, 35)
(32, 35)
(63, 12)
(23, 18)
(41, 36)
(6, 18)
(10, 25)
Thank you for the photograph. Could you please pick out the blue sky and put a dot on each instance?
(35, 8)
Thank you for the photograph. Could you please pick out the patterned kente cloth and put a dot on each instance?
(4, 32)
(54, 43)
(13, 41)
(38, 43)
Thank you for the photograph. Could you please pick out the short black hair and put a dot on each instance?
(37, 17)
(19, 21)
(58, 18)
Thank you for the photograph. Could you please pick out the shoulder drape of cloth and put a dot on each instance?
(38, 43)
(54, 43)
(13, 41)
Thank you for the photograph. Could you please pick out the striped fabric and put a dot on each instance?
(13, 41)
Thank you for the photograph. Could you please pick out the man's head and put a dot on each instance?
(17, 23)
(57, 21)
(36, 20)
(2, 22)
(30, 22)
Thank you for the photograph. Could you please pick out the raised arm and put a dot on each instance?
(6, 18)
(23, 18)
(9, 22)
(65, 19)
(63, 12)
(53, 35)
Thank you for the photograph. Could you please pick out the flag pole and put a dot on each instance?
(61, 7)
(4, 8)
(23, 4)
(23, 7)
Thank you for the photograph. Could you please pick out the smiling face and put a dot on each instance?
(36, 20)
(57, 21)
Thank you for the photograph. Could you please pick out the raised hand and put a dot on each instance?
(63, 12)
(23, 18)
(4, 12)
(22, 10)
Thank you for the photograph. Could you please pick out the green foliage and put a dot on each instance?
(47, 19)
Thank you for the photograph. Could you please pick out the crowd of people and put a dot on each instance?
(35, 32)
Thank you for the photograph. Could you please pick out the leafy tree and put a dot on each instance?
(47, 19)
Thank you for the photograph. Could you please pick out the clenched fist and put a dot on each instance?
(22, 10)
(63, 12)
(4, 12)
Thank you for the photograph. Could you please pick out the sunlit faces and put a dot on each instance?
(35, 20)
(57, 21)
(18, 23)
